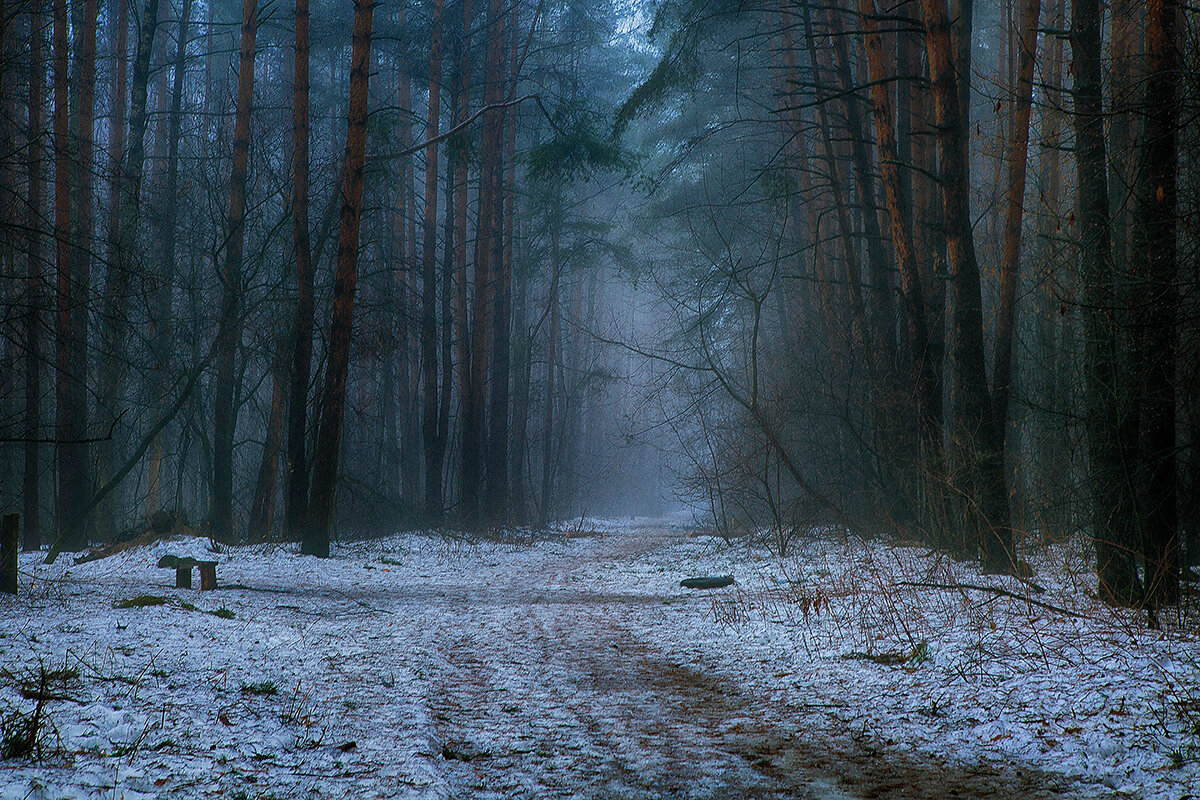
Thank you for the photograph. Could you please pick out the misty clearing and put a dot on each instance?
(628, 398)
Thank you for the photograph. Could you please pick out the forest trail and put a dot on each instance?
(563, 690)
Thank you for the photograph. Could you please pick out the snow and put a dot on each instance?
(572, 664)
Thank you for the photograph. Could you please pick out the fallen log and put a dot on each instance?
(707, 582)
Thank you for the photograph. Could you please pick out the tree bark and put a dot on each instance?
(497, 490)
(474, 441)
(325, 456)
(229, 332)
(435, 446)
(71, 376)
(922, 378)
(1010, 266)
(1112, 504)
(458, 159)
(978, 456)
(262, 508)
(883, 315)
(296, 503)
(35, 294)
(163, 321)
(1158, 305)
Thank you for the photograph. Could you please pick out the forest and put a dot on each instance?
(921, 273)
(924, 271)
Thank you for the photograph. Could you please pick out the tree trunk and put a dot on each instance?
(788, 80)
(116, 146)
(1158, 305)
(408, 445)
(163, 320)
(431, 421)
(1112, 503)
(229, 332)
(1010, 267)
(458, 157)
(35, 295)
(262, 509)
(325, 455)
(860, 329)
(296, 503)
(497, 491)
(552, 352)
(474, 441)
(883, 315)
(922, 378)
(71, 376)
(518, 487)
(979, 458)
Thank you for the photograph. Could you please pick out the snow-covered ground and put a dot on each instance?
(575, 666)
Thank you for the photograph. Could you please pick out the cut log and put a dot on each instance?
(708, 582)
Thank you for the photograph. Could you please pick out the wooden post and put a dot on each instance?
(208, 575)
(8, 553)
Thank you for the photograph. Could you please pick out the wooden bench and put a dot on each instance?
(183, 571)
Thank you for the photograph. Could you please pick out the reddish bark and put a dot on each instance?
(229, 332)
(325, 455)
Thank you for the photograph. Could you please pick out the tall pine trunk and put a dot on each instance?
(1010, 266)
(922, 383)
(978, 458)
(296, 492)
(474, 441)
(70, 375)
(163, 322)
(1158, 304)
(497, 490)
(329, 433)
(229, 332)
(34, 293)
(434, 444)
(1112, 522)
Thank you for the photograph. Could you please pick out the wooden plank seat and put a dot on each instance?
(183, 571)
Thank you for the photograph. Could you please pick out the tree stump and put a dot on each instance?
(208, 575)
(8, 553)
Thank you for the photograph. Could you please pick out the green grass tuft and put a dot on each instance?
(262, 688)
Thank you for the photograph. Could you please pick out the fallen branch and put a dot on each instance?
(993, 590)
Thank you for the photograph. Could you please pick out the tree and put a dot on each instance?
(976, 447)
(432, 429)
(70, 314)
(325, 455)
(487, 240)
(1157, 305)
(1112, 521)
(296, 491)
(34, 292)
(229, 332)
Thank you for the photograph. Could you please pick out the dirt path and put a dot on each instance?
(560, 690)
